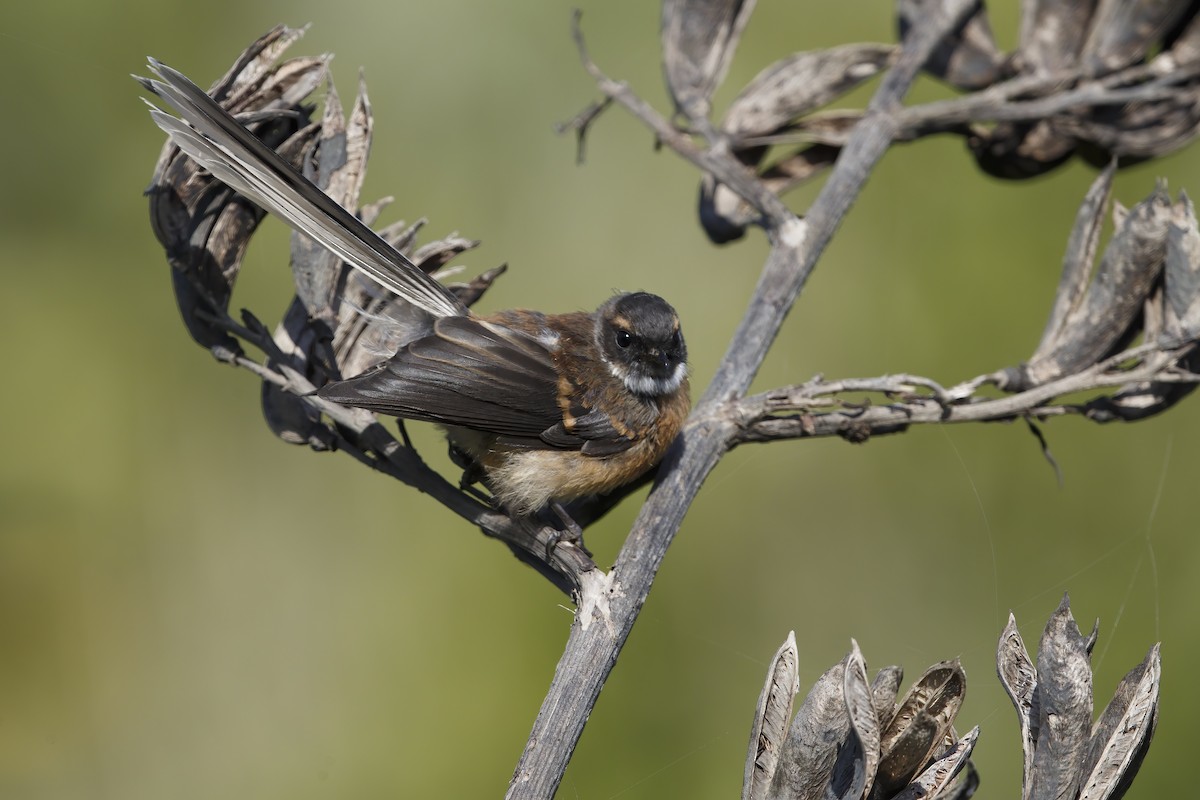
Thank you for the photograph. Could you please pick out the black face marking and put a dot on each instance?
(639, 337)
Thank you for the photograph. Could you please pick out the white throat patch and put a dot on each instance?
(647, 385)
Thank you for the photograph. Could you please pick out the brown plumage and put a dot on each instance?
(551, 407)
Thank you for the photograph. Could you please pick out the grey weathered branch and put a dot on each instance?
(602, 627)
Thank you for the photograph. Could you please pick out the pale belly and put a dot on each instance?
(526, 480)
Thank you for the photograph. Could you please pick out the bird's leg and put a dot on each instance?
(472, 474)
(570, 533)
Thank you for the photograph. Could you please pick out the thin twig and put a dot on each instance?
(757, 418)
(725, 168)
(372, 444)
(581, 123)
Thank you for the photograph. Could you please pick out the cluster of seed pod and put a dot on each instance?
(1100, 50)
(1146, 283)
(338, 323)
(852, 739)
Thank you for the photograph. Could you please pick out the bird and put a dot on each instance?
(547, 408)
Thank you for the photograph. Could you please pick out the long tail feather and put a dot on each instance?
(223, 146)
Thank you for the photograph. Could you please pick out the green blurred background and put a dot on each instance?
(191, 609)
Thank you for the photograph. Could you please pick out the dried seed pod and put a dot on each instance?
(771, 721)
(796, 85)
(1121, 737)
(473, 289)
(337, 165)
(724, 215)
(765, 110)
(1135, 131)
(1019, 678)
(288, 416)
(1181, 273)
(850, 740)
(1064, 692)
(1074, 758)
(884, 689)
(336, 162)
(1052, 34)
(968, 57)
(1183, 45)
(1077, 263)
(435, 255)
(922, 719)
(699, 38)
(1105, 318)
(938, 780)
(860, 703)
(1172, 318)
(1017, 151)
(203, 226)
(813, 740)
(1123, 32)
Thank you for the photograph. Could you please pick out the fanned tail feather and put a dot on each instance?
(213, 138)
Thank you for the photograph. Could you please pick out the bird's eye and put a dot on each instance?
(624, 339)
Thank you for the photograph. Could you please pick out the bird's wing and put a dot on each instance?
(485, 377)
(223, 146)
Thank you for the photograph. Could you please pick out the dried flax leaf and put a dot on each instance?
(814, 738)
(699, 38)
(771, 721)
(1019, 679)
(1121, 737)
(1064, 708)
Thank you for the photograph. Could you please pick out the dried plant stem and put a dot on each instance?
(592, 649)
(359, 434)
(757, 418)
